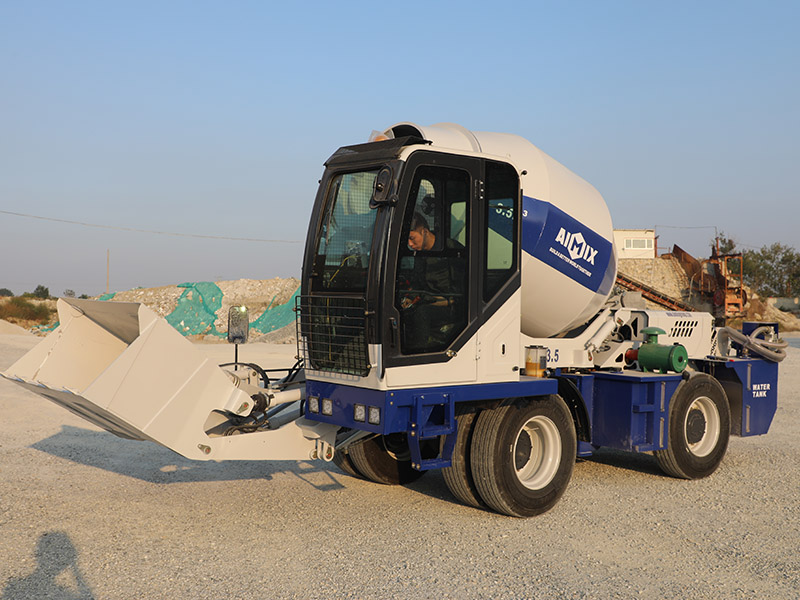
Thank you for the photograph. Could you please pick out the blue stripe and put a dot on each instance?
(567, 245)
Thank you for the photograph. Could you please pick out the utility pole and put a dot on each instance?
(108, 269)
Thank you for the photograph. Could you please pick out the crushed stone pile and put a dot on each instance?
(258, 295)
(756, 309)
(162, 300)
(664, 274)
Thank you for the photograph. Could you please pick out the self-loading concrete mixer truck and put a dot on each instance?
(458, 311)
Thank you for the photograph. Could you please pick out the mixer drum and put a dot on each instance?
(569, 265)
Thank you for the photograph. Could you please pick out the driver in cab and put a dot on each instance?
(439, 278)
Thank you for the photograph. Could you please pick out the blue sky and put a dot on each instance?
(215, 118)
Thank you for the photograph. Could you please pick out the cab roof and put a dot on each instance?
(386, 149)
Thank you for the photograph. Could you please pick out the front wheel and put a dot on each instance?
(699, 429)
(523, 453)
(384, 459)
(345, 463)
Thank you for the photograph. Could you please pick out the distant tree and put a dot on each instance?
(6, 292)
(83, 297)
(727, 245)
(41, 292)
(773, 270)
(69, 293)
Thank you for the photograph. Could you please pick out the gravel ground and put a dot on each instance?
(85, 514)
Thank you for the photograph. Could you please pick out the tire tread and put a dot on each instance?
(345, 463)
(669, 459)
(459, 477)
(372, 460)
(492, 465)
(485, 436)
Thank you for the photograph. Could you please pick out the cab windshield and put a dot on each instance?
(341, 258)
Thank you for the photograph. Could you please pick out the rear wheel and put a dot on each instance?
(523, 454)
(699, 429)
(385, 459)
(458, 477)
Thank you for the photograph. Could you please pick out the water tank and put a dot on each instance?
(569, 264)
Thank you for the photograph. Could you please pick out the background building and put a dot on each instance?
(635, 243)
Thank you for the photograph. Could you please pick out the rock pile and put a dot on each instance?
(666, 275)
(757, 309)
(256, 294)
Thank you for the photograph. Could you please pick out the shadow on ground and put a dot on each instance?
(629, 461)
(155, 464)
(57, 575)
(618, 461)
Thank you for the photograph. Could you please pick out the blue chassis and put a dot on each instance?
(627, 410)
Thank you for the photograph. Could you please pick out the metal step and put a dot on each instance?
(433, 417)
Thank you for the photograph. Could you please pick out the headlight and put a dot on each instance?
(327, 406)
(374, 415)
(313, 404)
(359, 412)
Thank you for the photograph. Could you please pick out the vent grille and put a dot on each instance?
(682, 329)
(331, 333)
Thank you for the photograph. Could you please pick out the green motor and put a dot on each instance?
(653, 356)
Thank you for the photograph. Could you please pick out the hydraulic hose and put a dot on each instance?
(774, 351)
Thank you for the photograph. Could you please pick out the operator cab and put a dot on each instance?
(410, 251)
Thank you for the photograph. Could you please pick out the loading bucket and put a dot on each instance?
(125, 369)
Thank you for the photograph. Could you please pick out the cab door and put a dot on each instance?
(430, 297)
(452, 261)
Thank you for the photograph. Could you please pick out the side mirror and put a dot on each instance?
(381, 188)
(238, 325)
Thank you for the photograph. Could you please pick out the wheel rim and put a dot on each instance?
(537, 452)
(702, 426)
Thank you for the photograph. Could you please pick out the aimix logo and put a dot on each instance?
(576, 246)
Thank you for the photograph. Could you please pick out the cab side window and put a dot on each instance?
(432, 274)
(502, 189)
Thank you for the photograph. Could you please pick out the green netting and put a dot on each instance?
(276, 317)
(45, 328)
(197, 309)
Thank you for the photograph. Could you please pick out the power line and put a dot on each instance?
(132, 229)
(705, 227)
(687, 227)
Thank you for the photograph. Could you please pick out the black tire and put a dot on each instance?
(699, 429)
(523, 453)
(385, 459)
(345, 463)
(458, 477)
